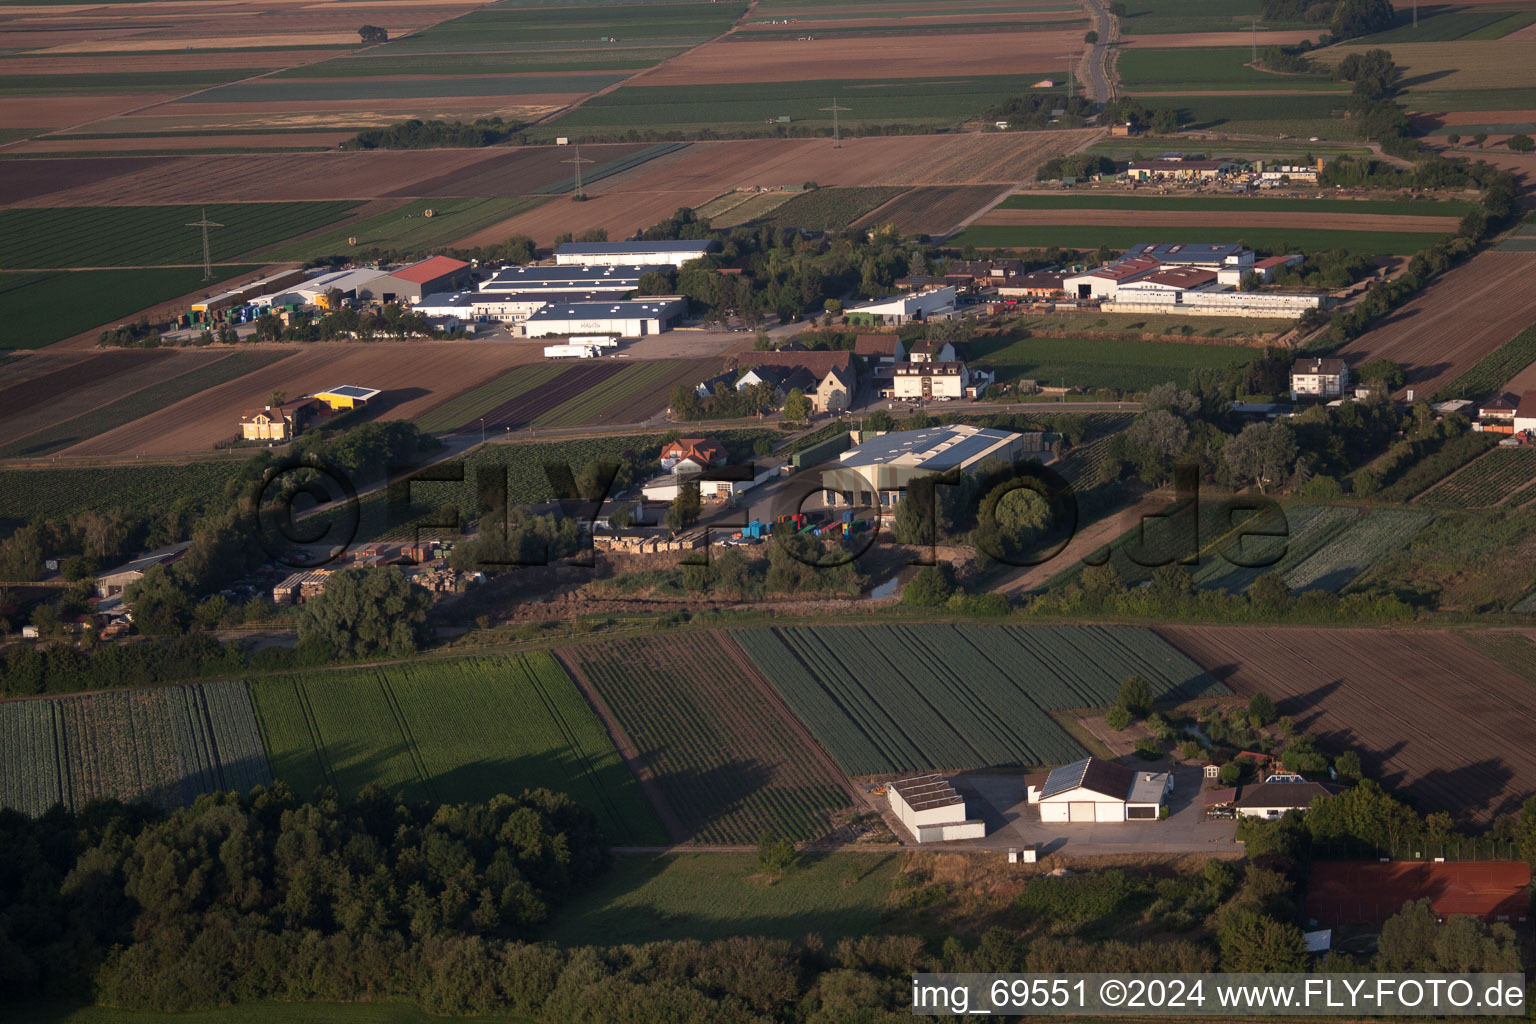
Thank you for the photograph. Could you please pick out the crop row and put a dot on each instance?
(1488, 481)
(457, 731)
(108, 236)
(634, 393)
(1308, 529)
(163, 746)
(831, 209)
(1495, 369)
(476, 402)
(903, 698)
(728, 764)
(1352, 551)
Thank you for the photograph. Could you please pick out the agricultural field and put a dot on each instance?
(463, 410)
(1351, 551)
(40, 309)
(450, 731)
(930, 211)
(987, 234)
(730, 761)
(831, 209)
(27, 494)
(138, 236)
(1094, 363)
(275, 92)
(163, 746)
(1207, 69)
(77, 429)
(1437, 68)
(1431, 716)
(1504, 475)
(634, 393)
(406, 228)
(1174, 17)
(741, 207)
(1490, 373)
(906, 698)
(1449, 24)
(1465, 315)
(1308, 528)
(1454, 209)
(499, 28)
(1143, 324)
(489, 62)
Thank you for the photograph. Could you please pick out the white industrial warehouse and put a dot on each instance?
(598, 254)
(632, 319)
(930, 808)
(1194, 280)
(875, 471)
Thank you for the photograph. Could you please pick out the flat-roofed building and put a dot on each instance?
(931, 809)
(595, 254)
(634, 318)
(876, 471)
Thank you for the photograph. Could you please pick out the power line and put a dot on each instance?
(578, 160)
(205, 224)
(837, 139)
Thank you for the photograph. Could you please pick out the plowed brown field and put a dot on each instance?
(1430, 716)
(1223, 218)
(1460, 318)
(931, 211)
(414, 376)
(912, 56)
(180, 143)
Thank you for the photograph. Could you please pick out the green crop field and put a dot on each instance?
(27, 494)
(1094, 363)
(1265, 240)
(139, 236)
(907, 698)
(272, 90)
(880, 101)
(1491, 372)
(163, 746)
(1494, 478)
(1348, 553)
(1073, 320)
(1319, 112)
(487, 63)
(1237, 204)
(494, 27)
(1161, 17)
(1207, 69)
(736, 208)
(406, 227)
(40, 309)
(451, 731)
(831, 209)
(1308, 529)
(140, 403)
(639, 390)
(728, 764)
(462, 409)
(120, 82)
(705, 896)
(1447, 24)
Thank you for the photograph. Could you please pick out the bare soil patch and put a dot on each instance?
(415, 376)
(1430, 716)
(30, 179)
(65, 111)
(1460, 318)
(514, 172)
(188, 143)
(1465, 64)
(1224, 218)
(997, 53)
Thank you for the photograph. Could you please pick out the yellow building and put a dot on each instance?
(347, 396)
(277, 422)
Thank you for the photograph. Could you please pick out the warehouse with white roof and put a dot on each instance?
(534, 280)
(930, 808)
(875, 471)
(636, 318)
(597, 254)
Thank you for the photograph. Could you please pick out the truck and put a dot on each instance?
(569, 352)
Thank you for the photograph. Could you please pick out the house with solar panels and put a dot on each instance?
(346, 396)
(1094, 790)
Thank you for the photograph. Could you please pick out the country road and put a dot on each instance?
(1098, 60)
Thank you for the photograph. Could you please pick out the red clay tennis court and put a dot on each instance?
(1352, 892)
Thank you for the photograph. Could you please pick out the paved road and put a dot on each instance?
(1098, 78)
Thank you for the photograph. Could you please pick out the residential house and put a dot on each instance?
(1319, 378)
(702, 451)
(880, 352)
(1272, 799)
(281, 422)
(1525, 414)
(928, 381)
(931, 352)
(1497, 414)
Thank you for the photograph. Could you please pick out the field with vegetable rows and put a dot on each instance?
(636, 392)
(40, 309)
(730, 763)
(1309, 528)
(476, 402)
(128, 236)
(1491, 372)
(905, 698)
(1351, 551)
(407, 228)
(831, 209)
(450, 731)
(741, 207)
(130, 407)
(163, 746)
(1496, 477)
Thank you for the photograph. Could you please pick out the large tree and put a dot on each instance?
(367, 612)
(1155, 439)
(1263, 453)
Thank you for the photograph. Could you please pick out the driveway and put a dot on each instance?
(999, 800)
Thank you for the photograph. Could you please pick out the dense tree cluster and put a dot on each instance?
(418, 134)
(1036, 110)
(1346, 19)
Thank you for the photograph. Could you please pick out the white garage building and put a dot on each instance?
(634, 319)
(601, 254)
(930, 809)
(1094, 790)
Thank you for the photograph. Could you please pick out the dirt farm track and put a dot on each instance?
(1429, 716)
(1462, 316)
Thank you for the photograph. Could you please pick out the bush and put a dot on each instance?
(1231, 774)
(1148, 748)
(1117, 718)
(1262, 708)
(1135, 695)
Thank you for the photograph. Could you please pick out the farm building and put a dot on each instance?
(904, 309)
(534, 280)
(876, 471)
(715, 483)
(1176, 168)
(598, 254)
(438, 274)
(1319, 378)
(930, 808)
(1525, 413)
(280, 422)
(879, 351)
(347, 396)
(1271, 799)
(258, 292)
(1208, 255)
(1104, 282)
(110, 584)
(1354, 892)
(1266, 268)
(352, 284)
(937, 380)
(1272, 175)
(625, 319)
(1038, 284)
(1095, 790)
